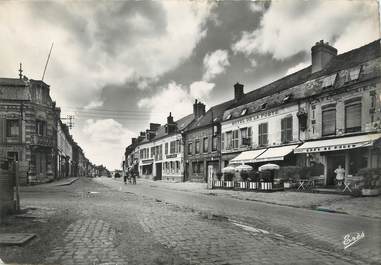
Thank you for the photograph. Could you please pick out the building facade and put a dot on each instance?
(27, 126)
(64, 151)
(344, 121)
(202, 152)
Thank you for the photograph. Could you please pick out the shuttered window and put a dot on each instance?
(262, 134)
(205, 144)
(353, 117)
(329, 122)
(235, 139)
(286, 130)
(228, 142)
(13, 128)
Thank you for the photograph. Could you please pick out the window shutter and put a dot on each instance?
(329, 122)
(353, 116)
(283, 130)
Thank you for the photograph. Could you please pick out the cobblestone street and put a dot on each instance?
(90, 223)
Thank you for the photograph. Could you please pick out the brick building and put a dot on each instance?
(202, 152)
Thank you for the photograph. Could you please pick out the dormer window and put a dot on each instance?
(228, 117)
(215, 119)
(243, 112)
(286, 98)
(263, 106)
(329, 81)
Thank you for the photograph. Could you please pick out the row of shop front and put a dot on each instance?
(351, 152)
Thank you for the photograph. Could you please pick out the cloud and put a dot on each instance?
(297, 67)
(173, 98)
(257, 6)
(95, 45)
(215, 63)
(104, 141)
(94, 104)
(290, 27)
(201, 90)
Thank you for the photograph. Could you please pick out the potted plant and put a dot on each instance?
(218, 182)
(288, 175)
(371, 181)
(254, 180)
(228, 177)
(243, 184)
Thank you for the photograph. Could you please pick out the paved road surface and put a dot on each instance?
(96, 223)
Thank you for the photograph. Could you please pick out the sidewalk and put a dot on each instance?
(59, 182)
(358, 206)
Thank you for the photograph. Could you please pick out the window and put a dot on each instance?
(166, 148)
(228, 117)
(353, 117)
(214, 143)
(13, 156)
(178, 146)
(172, 147)
(205, 145)
(177, 166)
(13, 128)
(329, 122)
(235, 139)
(197, 151)
(152, 152)
(329, 81)
(228, 142)
(243, 112)
(263, 106)
(190, 148)
(286, 130)
(40, 128)
(262, 134)
(246, 136)
(222, 141)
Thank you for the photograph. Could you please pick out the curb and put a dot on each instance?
(68, 183)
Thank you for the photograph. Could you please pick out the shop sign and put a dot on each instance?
(256, 117)
(171, 156)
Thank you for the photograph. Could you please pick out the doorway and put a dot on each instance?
(158, 171)
(333, 162)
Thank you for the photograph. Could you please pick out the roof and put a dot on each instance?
(339, 62)
(303, 83)
(12, 82)
(214, 114)
(182, 124)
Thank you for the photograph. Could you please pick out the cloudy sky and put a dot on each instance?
(118, 65)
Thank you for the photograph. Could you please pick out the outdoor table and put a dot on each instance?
(303, 183)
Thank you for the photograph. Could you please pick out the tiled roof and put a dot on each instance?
(214, 114)
(339, 62)
(182, 124)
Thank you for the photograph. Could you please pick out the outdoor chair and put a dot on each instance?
(318, 180)
(351, 182)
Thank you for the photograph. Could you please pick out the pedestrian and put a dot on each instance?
(340, 172)
(125, 177)
(134, 178)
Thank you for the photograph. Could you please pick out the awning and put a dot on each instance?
(337, 144)
(276, 153)
(247, 157)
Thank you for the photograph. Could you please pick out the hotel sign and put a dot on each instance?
(256, 117)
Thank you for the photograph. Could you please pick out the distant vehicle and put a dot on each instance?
(117, 175)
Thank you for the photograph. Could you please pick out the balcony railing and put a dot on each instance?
(42, 140)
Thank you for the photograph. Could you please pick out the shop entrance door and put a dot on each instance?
(158, 171)
(333, 162)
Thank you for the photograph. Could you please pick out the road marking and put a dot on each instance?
(252, 229)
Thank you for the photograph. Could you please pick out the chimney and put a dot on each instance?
(170, 127)
(154, 126)
(238, 91)
(134, 141)
(170, 119)
(321, 55)
(198, 109)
